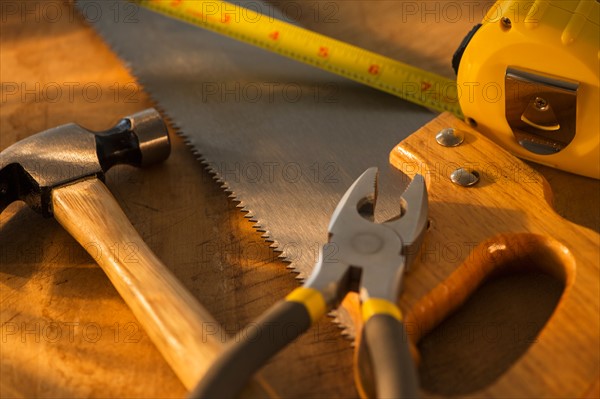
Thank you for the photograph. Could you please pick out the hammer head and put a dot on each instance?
(33, 167)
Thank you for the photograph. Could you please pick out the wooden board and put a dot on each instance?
(65, 331)
(50, 286)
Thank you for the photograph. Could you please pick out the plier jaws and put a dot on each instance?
(356, 209)
(380, 252)
(361, 256)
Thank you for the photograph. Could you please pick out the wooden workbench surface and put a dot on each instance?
(65, 330)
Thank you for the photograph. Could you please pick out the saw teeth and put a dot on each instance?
(180, 131)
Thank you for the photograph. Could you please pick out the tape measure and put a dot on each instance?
(382, 73)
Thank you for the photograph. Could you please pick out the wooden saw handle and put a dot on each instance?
(503, 224)
(183, 331)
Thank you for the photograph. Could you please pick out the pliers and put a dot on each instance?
(368, 258)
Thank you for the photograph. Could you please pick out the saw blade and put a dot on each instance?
(285, 139)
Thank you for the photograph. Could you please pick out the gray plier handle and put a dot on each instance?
(384, 338)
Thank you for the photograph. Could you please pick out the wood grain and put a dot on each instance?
(187, 336)
(49, 284)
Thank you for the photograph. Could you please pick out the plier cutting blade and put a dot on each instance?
(370, 259)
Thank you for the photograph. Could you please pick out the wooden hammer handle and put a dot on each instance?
(182, 330)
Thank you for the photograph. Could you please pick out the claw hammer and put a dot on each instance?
(59, 173)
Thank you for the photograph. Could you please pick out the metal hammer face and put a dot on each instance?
(33, 167)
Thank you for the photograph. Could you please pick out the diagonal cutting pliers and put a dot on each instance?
(368, 258)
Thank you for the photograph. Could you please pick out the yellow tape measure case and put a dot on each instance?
(528, 79)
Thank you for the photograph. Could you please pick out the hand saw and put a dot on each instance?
(287, 156)
(253, 171)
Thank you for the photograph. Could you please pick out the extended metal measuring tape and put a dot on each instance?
(538, 109)
(382, 73)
